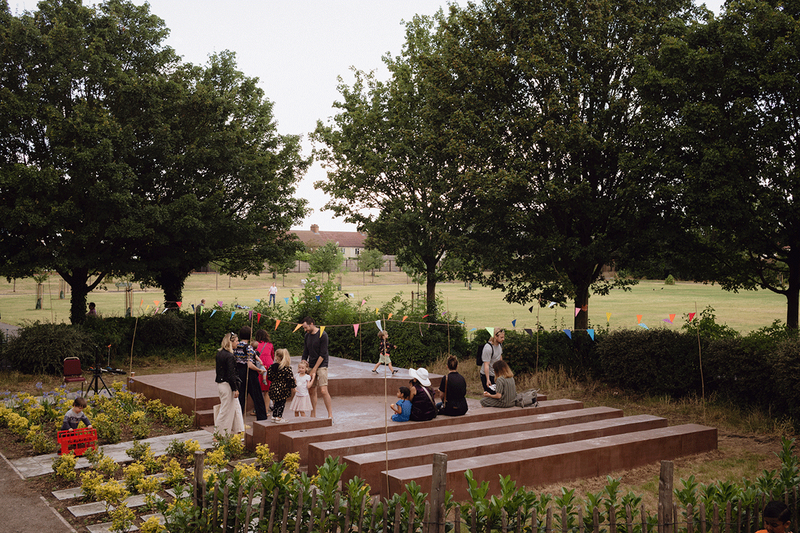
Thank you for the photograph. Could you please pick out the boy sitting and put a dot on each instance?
(402, 409)
(75, 415)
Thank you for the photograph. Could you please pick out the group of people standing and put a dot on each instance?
(255, 369)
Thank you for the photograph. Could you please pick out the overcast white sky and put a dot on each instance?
(296, 48)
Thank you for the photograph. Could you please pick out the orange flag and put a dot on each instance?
(404, 318)
(276, 324)
(298, 327)
(638, 319)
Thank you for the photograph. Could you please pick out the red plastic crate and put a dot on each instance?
(77, 441)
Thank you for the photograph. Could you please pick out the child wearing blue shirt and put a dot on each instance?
(402, 409)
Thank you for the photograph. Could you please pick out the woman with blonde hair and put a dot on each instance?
(506, 393)
(227, 414)
(282, 378)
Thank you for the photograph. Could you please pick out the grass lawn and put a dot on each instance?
(479, 307)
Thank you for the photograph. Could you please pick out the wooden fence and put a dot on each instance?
(231, 511)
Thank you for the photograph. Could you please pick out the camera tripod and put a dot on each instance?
(97, 377)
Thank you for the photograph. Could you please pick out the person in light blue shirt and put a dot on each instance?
(402, 409)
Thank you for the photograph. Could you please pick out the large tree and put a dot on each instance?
(218, 179)
(67, 198)
(727, 96)
(116, 158)
(547, 116)
(390, 165)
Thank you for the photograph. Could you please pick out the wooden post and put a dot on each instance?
(199, 483)
(438, 488)
(665, 493)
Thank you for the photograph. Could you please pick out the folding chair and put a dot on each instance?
(73, 372)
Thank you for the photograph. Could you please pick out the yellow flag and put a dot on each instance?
(321, 330)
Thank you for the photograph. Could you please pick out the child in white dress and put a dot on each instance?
(302, 401)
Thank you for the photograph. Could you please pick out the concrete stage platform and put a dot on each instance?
(489, 441)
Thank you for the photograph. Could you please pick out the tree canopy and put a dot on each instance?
(328, 258)
(390, 164)
(727, 95)
(116, 158)
(546, 116)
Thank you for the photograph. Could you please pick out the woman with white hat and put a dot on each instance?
(422, 405)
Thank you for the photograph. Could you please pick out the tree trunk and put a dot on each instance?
(582, 303)
(793, 290)
(77, 280)
(430, 286)
(172, 285)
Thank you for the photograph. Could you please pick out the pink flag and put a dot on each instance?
(577, 310)
(355, 329)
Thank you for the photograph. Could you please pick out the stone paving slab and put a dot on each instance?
(67, 494)
(43, 464)
(88, 509)
(105, 527)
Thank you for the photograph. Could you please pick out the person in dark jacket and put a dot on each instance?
(422, 404)
(228, 415)
(452, 391)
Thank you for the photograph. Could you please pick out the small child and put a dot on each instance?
(777, 518)
(384, 358)
(280, 374)
(301, 401)
(75, 415)
(402, 409)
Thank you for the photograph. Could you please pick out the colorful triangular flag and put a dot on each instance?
(378, 323)
(276, 324)
(355, 329)
(569, 333)
(591, 333)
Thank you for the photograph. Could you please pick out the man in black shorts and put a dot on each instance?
(315, 351)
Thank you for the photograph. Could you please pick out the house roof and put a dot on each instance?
(345, 239)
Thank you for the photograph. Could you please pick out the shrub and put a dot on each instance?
(670, 280)
(166, 329)
(64, 466)
(41, 348)
(784, 378)
(656, 361)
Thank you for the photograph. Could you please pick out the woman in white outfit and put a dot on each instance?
(228, 415)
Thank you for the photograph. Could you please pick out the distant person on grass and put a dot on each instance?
(315, 351)
(273, 292)
(228, 416)
(75, 416)
(492, 352)
(506, 394)
(249, 373)
(92, 310)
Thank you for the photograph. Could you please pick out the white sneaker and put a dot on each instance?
(281, 421)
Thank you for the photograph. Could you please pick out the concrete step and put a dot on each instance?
(299, 440)
(559, 463)
(369, 466)
(268, 432)
(527, 420)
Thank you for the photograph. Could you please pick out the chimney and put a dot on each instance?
(314, 228)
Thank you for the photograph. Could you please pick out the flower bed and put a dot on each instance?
(29, 424)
